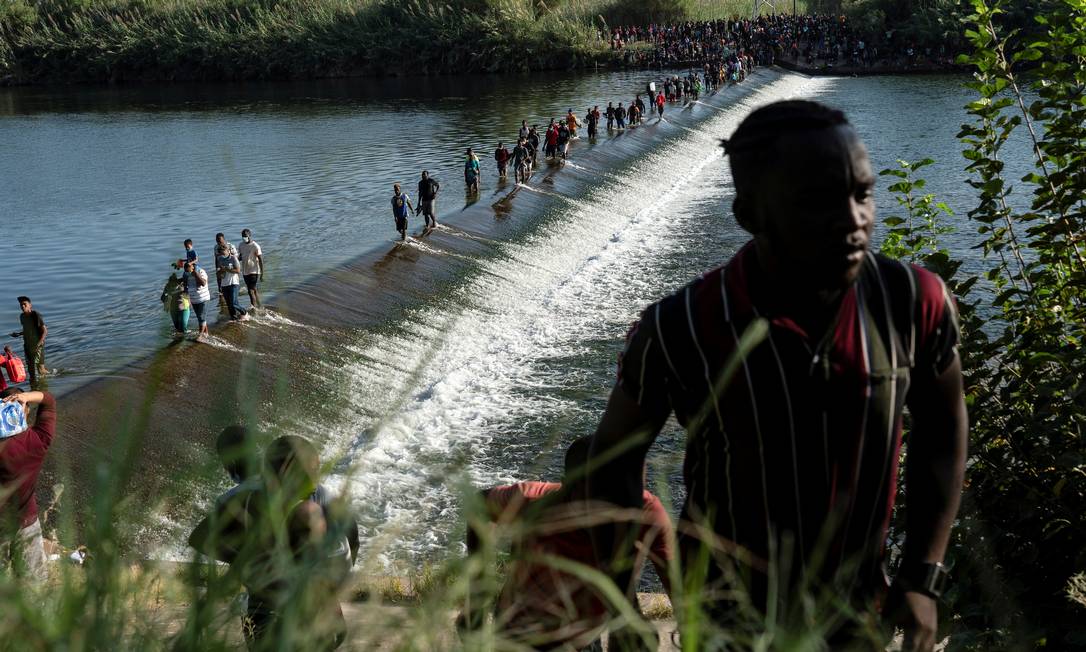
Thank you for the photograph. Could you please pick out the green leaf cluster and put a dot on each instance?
(1020, 538)
(123, 40)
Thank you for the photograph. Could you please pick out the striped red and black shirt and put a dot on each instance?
(799, 449)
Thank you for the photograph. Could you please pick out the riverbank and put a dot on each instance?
(128, 41)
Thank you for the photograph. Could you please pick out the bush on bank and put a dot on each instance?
(163, 40)
(121, 40)
(1018, 547)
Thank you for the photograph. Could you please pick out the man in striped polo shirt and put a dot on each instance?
(789, 368)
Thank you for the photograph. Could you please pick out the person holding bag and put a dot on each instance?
(195, 283)
(176, 302)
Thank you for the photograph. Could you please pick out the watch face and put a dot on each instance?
(938, 577)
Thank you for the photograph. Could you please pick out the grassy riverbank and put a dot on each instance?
(144, 40)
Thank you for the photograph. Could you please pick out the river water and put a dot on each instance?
(485, 381)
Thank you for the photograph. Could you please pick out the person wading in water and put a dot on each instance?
(428, 187)
(401, 203)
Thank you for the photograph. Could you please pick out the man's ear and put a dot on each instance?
(745, 214)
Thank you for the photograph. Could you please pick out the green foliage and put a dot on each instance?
(114, 40)
(924, 23)
(916, 236)
(669, 11)
(1019, 540)
(138, 40)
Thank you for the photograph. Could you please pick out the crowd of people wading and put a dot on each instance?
(782, 478)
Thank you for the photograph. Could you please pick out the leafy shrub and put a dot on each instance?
(1018, 545)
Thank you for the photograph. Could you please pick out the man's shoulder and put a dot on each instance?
(241, 491)
(903, 278)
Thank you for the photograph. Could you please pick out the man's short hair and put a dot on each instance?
(187, 241)
(294, 460)
(24, 299)
(234, 446)
(752, 145)
(396, 187)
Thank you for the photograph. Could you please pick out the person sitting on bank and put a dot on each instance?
(541, 605)
(22, 549)
(292, 553)
(789, 367)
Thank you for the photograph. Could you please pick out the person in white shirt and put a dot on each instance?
(195, 279)
(229, 270)
(252, 265)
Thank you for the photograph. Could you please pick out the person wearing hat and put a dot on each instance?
(22, 454)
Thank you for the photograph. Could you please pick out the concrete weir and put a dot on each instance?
(145, 434)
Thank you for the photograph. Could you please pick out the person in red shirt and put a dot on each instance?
(660, 104)
(790, 367)
(541, 605)
(21, 458)
(552, 140)
(5, 358)
(501, 155)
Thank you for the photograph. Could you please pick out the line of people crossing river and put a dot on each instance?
(555, 138)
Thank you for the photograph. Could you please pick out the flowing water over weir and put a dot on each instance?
(488, 381)
(467, 357)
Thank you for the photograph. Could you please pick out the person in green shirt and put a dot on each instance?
(33, 334)
(471, 171)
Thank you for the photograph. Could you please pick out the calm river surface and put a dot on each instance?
(101, 186)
